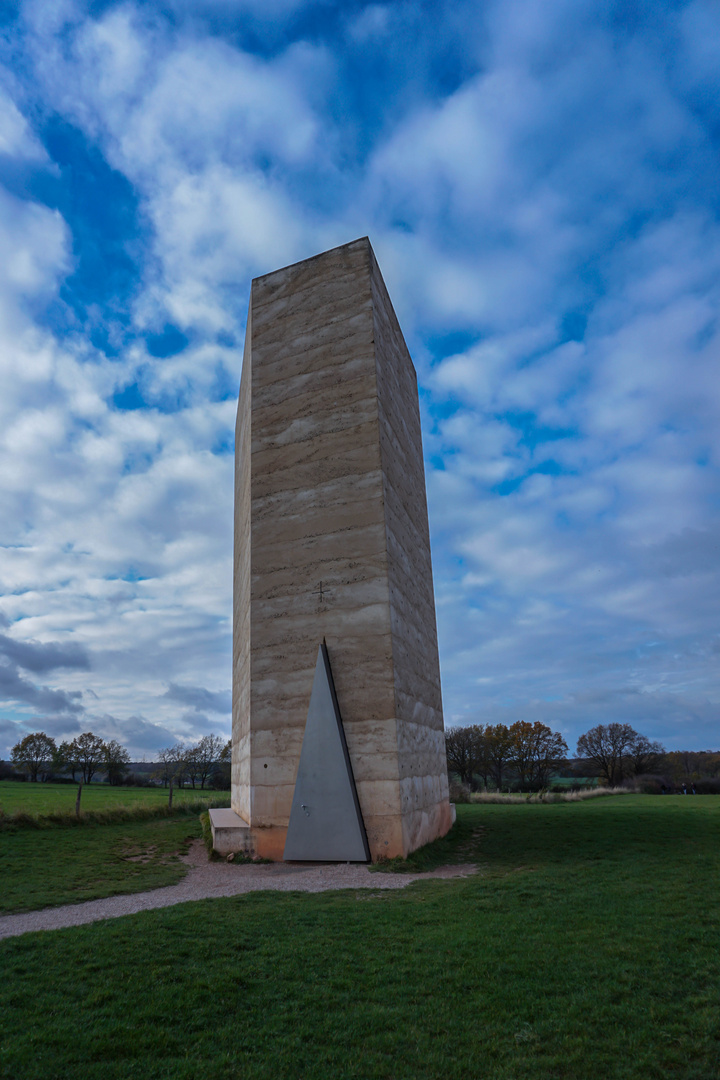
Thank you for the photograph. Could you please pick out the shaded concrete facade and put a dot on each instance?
(331, 541)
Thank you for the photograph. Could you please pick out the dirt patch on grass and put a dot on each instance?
(138, 853)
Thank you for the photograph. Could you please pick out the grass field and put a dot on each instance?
(587, 947)
(46, 867)
(17, 796)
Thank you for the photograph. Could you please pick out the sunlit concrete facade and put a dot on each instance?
(331, 541)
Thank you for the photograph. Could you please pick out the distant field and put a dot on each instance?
(586, 948)
(28, 798)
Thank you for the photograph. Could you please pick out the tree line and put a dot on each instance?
(496, 754)
(38, 757)
(195, 764)
(527, 755)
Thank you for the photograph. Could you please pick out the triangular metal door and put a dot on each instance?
(326, 823)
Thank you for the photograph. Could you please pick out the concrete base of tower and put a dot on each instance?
(232, 834)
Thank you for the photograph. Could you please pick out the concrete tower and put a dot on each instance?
(332, 545)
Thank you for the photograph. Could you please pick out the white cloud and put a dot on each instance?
(34, 241)
(213, 229)
(90, 496)
(16, 138)
(560, 180)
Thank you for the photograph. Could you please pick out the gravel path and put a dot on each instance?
(207, 879)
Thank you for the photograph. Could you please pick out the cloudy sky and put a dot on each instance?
(539, 179)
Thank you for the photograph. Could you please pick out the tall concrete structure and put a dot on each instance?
(332, 544)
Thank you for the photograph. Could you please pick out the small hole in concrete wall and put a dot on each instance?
(265, 765)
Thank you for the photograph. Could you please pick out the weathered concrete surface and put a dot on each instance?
(331, 540)
(230, 833)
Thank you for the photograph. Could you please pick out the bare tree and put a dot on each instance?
(172, 763)
(606, 747)
(86, 753)
(461, 752)
(34, 754)
(644, 756)
(207, 753)
(191, 765)
(499, 751)
(552, 752)
(173, 766)
(221, 776)
(481, 765)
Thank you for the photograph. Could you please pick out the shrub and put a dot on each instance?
(710, 785)
(459, 792)
(647, 785)
(136, 780)
(207, 836)
(8, 773)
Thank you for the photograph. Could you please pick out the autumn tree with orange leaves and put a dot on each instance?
(526, 752)
(535, 752)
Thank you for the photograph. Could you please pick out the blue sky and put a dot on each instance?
(539, 179)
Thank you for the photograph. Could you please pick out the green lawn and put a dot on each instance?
(588, 947)
(17, 796)
(46, 867)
